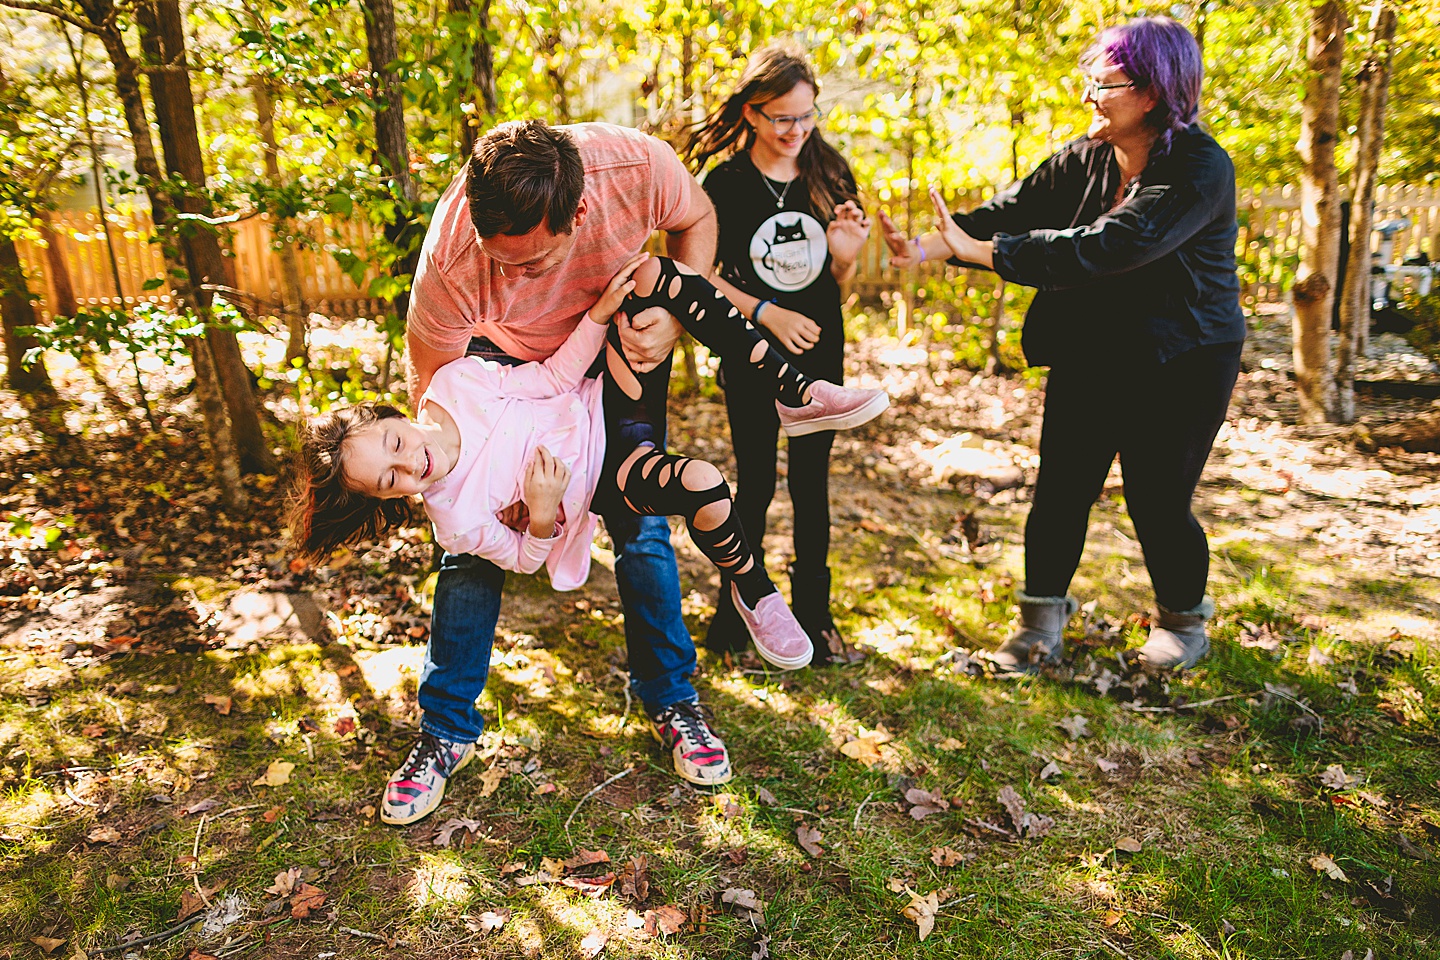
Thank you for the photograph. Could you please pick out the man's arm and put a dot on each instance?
(424, 360)
(692, 242)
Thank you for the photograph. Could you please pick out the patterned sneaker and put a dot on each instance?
(418, 786)
(832, 407)
(778, 636)
(699, 755)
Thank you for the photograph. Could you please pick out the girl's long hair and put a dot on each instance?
(325, 514)
(772, 72)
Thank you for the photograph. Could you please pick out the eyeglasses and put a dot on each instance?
(1094, 87)
(784, 125)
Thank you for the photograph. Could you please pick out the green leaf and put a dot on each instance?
(154, 283)
(340, 204)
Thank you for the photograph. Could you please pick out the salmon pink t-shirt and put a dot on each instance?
(634, 185)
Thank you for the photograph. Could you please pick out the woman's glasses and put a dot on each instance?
(1093, 87)
(784, 125)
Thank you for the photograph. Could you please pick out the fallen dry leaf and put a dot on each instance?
(922, 910)
(593, 942)
(866, 747)
(275, 775)
(1051, 769)
(344, 725)
(305, 899)
(491, 779)
(767, 798)
(726, 805)
(762, 949)
(635, 879)
(489, 921)
(1112, 917)
(102, 834)
(584, 858)
(809, 839)
(200, 806)
(925, 803)
(1029, 825)
(93, 730)
(448, 829)
(592, 887)
(285, 882)
(1335, 778)
(273, 814)
(48, 944)
(950, 744)
(946, 857)
(1076, 726)
(198, 954)
(744, 899)
(1106, 766)
(667, 920)
(1323, 864)
(222, 705)
(1128, 845)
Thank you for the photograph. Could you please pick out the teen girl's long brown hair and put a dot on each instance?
(772, 72)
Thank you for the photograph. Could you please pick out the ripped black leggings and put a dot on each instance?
(639, 476)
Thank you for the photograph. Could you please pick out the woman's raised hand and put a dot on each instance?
(961, 244)
(903, 251)
(846, 233)
(617, 290)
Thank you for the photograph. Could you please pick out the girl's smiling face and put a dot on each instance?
(798, 103)
(392, 458)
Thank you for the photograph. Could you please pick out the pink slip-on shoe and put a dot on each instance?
(832, 407)
(777, 634)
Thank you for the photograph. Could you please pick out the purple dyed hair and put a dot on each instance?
(1161, 56)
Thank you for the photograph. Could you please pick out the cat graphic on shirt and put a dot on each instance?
(789, 250)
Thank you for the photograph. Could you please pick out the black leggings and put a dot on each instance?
(1162, 420)
(663, 484)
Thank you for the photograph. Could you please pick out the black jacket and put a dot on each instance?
(1150, 278)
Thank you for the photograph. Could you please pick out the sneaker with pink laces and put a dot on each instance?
(777, 634)
(832, 407)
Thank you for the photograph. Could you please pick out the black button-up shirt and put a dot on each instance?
(1149, 278)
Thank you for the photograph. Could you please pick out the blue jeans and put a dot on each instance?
(467, 607)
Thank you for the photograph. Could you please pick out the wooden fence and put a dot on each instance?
(1268, 250)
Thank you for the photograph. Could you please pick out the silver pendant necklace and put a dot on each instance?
(779, 197)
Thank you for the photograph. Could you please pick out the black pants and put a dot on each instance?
(1161, 419)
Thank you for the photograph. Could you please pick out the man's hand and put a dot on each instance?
(796, 331)
(648, 338)
(545, 483)
(516, 516)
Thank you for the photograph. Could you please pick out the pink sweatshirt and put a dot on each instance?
(504, 413)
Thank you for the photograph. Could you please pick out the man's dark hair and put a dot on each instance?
(522, 173)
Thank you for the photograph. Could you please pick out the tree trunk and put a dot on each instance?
(1314, 289)
(18, 310)
(212, 405)
(390, 141)
(282, 230)
(162, 31)
(127, 87)
(481, 91)
(1374, 80)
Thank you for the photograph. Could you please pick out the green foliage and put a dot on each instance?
(1425, 311)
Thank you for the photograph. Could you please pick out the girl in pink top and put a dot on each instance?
(510, 459)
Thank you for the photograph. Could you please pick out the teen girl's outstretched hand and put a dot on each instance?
(903, 251)
(796, 331)
(847, 232)
(617, 290)
(545, 481)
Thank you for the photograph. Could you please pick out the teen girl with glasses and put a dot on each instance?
(791, 228)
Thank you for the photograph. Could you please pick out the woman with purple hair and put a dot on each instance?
(1129, 235)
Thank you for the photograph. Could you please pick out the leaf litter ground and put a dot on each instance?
(194, 727)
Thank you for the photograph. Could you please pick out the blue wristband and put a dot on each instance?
(921, 247)
(755, 315)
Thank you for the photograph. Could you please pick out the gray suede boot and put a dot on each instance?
(1038, 641)
(1177, 638)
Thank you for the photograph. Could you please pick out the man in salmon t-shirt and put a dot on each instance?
(521, 244)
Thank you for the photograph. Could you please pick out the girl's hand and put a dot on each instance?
(903, 251)
(617, 290)
(795, 330)
(545, 483)
(847, 232)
